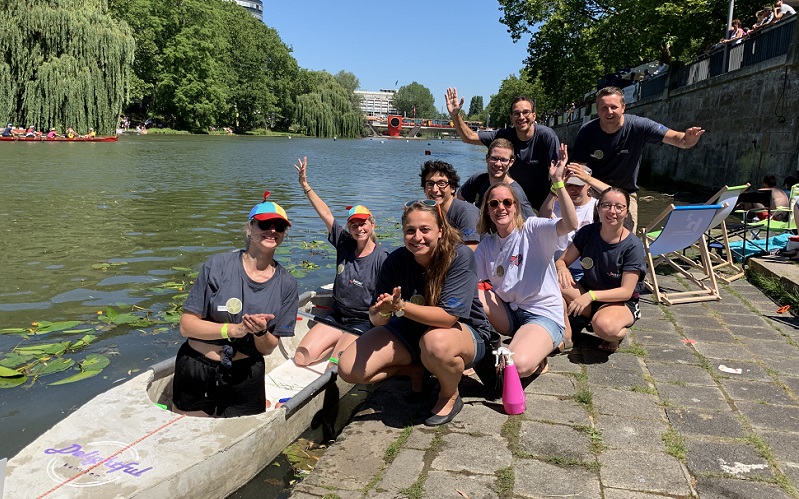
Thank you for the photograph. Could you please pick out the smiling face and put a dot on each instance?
(433, 188)
(522, 117)
(501, 215)
(578, 193)
(499, 161)
(611, 112)
(421, 233)
(267, 234)
(360, 228)
(612, 209)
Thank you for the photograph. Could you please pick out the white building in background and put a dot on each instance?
(377, 104)
(255, 7)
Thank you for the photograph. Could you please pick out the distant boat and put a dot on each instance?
(112, 138)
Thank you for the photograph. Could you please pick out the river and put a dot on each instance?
(88, 226)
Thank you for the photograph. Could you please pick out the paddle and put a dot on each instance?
(329, 322)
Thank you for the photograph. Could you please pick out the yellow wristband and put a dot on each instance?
(385, 314)
(553, 190)
(558, 185)
(591, 293)
(223, 332)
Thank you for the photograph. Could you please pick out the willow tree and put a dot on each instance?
(64, 63)
(327, 111)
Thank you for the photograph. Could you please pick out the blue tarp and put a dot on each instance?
(758, 246)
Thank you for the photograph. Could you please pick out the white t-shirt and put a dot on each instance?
(585, 216)
(521, 268)
(787, 9)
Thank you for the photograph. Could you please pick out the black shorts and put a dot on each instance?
(202, 384)
(357, 323)
(632, 305)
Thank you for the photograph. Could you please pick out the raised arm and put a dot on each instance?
(577, 170)
(683, 140)
(321, 208)
(454, 107)
(568, 221)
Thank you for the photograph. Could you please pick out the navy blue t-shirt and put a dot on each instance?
(533, 159)
(476, 186)
(464, 217)
(615, 158)
(604, 263)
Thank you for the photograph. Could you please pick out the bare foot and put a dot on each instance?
(542, 368)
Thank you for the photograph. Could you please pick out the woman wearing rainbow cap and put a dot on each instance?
(358, 262)
(241, 302)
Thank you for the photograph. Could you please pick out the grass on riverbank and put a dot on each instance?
(775, 289)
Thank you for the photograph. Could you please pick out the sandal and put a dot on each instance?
(542, 368)
(609, 346)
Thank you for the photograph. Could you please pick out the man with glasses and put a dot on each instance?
(612, 144)
(499, 159)
(535, 145)
(440, 181)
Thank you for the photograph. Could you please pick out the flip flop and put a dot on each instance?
(609, 346)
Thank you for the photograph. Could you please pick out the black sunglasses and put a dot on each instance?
(275, 225)
(494, 203)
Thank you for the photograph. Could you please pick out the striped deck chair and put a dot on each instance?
(725, 260)
(681, 227)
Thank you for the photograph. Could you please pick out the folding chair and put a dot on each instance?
(768, 224)
(681, 227)
(726, 196)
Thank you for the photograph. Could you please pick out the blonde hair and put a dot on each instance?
(485, 225)
(443, 254)
(372, 236)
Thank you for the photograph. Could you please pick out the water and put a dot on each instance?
(147, 205)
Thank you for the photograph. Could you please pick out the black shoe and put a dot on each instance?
(439, 420)
(487, 371)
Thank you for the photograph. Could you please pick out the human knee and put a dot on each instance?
(302, 357)
(437, 344)
(608, 327)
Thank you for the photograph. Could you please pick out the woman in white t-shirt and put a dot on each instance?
(516, 256)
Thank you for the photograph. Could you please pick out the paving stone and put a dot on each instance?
(563, 364)
(792, 383)
(479, 418)
(692, 375)
(789, 366)
(644, 471)
(690, 421)
(703, 321)
(749, 370)
(723, 351)
(447, 485)
(544, 440)
(403, 471)
(610, 493)
(680, 354)
(746, 319)
(756, 391)
(537, 479)
(552, 384)
(480, 454)
(756, 333)
(730, 458)
(785, 447)
(420, 438)
(627, 404)
(702, 335)
(619, 432)
(561, 409)
(730, 488)
(617, 378)
(775, 417)
(305, 490)
(620, 360)
(691, 310)
(666, 338)
(701, 397)
(772, 349)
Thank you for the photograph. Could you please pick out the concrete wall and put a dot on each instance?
(751, 118)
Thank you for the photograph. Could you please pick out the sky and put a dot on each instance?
(437, 43)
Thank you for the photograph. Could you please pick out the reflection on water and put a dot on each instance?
(149, 207)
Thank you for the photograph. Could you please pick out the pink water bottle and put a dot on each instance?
(513, 398)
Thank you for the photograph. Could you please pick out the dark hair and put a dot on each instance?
(485, 225)
(520, 98)
(442, 255)
(790, 180)
(770, 180)
(611, 91)
(614, 189)
(437, 166)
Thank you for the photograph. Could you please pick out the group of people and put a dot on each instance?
(475, 257)
(10, 131)
(765, 17)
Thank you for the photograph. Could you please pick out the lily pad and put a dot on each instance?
(44, 349)
(83, 342)
(77, 377)
(94, 361)
(53, 366)
(13, 360)
(13, 330)
(45, 327)
(9, 373)
(12, 382)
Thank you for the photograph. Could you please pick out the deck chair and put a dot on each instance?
(768, 224)
(729, 196)
(681, 227)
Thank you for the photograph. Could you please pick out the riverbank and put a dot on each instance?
(668, 414)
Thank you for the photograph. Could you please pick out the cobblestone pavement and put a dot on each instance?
(662, 417)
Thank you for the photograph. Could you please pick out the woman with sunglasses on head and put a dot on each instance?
(516, 256)
(426, 312)
(614, 264)
(358, 262)
(240, 304)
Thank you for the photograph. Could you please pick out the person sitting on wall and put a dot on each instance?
(779, 202)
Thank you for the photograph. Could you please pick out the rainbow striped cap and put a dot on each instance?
(358, 212)
(268, 211)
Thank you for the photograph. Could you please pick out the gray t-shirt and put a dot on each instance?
(223, 293)
(615, 158)
(476, 186)
(464, 216)
(609, 261)
(458, 296)
(533, 158)
(356, 278)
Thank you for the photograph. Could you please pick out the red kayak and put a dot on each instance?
(112, 138)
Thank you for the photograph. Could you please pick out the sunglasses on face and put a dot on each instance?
(275, 225)
(426, 202)
(494, 203)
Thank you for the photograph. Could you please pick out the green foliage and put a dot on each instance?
(63, 64)
(326, 109)
(499, 107)
(418, 97)
(476, 105)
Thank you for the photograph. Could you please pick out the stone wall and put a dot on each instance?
(751, 118)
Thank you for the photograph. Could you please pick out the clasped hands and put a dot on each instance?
(388, 303)
(250, 324)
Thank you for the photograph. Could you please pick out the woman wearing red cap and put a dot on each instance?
(358, 262)
(241, 302)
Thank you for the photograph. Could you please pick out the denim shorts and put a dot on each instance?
(411, 342)
(519, 318)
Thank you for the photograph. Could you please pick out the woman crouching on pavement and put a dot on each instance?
(614, 263)
(240, 304)
(427, 313)
(516, 256)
